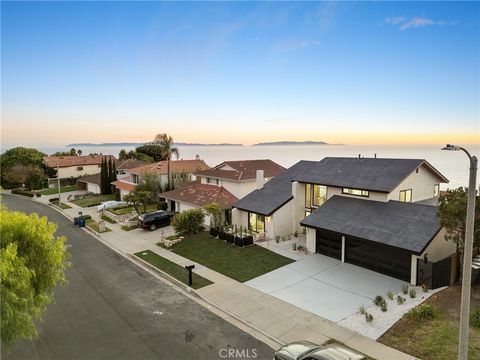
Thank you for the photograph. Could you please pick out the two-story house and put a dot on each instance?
(181, 171)
(224, 184)
(370, 212)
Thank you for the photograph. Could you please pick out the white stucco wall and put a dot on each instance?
(421, 184)
(298, 205)
(123, 193)
(71, 171)
(311, 240)
(282, 221)
(439, 248)
(239, 217)
(94, 188)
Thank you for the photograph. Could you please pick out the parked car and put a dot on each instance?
(305, 350)
(110, 204)
(155, 219)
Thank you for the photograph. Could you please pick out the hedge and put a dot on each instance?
(23, 192)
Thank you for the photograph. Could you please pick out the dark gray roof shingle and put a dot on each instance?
(372, 174)
(408, 226)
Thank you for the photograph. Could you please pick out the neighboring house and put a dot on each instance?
(91, 183)
(370, 212)
(123, 167)
(76, 166)
(224, 184)
(182, 171)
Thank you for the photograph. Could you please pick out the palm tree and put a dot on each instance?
(168, 150)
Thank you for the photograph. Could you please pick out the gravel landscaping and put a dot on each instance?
(382, 321)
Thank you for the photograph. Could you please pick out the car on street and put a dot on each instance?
(306, 350)
(110, 204)
(155, 219)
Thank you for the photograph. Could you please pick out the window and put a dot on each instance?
(256, 222)
(436, 189)
(319, 195)
(135, 178)
(356, 192)
(79, 168)
(406, 195)
(308, 196)
(212, 181)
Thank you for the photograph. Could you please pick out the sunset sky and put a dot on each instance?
(354, 73)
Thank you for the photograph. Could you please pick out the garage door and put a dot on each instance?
(329, 243)
(378, 257)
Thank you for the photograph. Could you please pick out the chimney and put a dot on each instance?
(359, 156)
(375, 155)
(260, 180)
(197, 157)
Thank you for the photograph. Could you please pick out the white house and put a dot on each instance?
(182, 171)
(367, 211)
(76, 166)
(224, 184)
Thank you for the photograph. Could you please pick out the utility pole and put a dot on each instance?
(58, 184)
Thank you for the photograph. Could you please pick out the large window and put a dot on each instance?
(315, 195)
(356, 192)
(436, 189)
(406, 195)
(256, 222)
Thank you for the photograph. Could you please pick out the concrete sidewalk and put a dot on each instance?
(277, 319)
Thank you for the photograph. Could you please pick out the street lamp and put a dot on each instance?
(467, 254)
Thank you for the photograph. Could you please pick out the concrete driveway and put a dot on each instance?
(325, 286)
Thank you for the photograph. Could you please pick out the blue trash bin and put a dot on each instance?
(75, 220)
(81, 222)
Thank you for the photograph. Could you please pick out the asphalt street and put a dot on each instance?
(112, 309)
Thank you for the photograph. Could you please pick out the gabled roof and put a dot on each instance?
(275, 193)
(67, 161)
(130, 164)
(374, 174)
(124, 184)
(93, 179)
(243, 169)
(176, 166)
(201, 195)
(408, 226)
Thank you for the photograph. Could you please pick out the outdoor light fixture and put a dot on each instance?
(467, 254)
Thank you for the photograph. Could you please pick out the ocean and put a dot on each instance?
(453, 164)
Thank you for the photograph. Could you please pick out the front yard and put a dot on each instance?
(172, 269)
(437, 338)
(51, 191)
(241, 264)
(94, 200)
(129, 209)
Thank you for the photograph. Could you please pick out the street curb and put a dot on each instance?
(179, 286)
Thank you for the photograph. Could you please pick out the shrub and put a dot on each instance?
(425, 288)
(295, 234)
(362, 310)
(412, 293)
(384, 306)
(400, 300)
(368, 317)
(390, 294)
(188, 221)
(423, 312)
(108, 219)
(55, 199)
(171, 237)
(379, 300)
(22, 192)
(404, 289)
(277, 239)
(475, 317)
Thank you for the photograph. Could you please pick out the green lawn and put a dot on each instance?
(95, 200)
(92, 224)
(108, 219)
(63, 205)
(172, 269)
(129, 227)
(129, 209)
(63, 189)
(241, 264)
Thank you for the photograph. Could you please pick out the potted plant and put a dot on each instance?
(222, 234)
(230, 236)
(239, 237)
(213, 229)
(248, 239)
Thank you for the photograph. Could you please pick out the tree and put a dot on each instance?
(123, 155)
(23, 157)
(33, 263)
(152, 150)
(452, 211)
(168, 150)
(132, 154)
(105, 187)
(137, 199)
(215, 213)
(188, 222)
(150, 182)
(79, 152)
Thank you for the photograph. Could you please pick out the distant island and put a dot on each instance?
(138, 144)
(294, 143)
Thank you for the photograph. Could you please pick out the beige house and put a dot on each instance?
(375, 213)
(182, 171)
(223, 184)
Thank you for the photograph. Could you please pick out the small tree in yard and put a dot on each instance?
(452, 211)
(188, 222)
(215, 212)
(137, 199)
(33, 263)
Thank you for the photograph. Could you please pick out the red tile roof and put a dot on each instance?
(67, 161)
(124, 185)
(244, 169)
(129, 164)
(176, 166)
(201, 195)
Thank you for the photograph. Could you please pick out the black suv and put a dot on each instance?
(155, 219)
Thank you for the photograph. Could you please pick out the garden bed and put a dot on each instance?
(92, 224)
(93, 201)
(62, 205)
(172, 269)
(129, 209)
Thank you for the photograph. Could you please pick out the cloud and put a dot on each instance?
(404, 23)
(310, 43)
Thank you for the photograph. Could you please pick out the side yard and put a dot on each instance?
(436, 338)
(239, 263)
